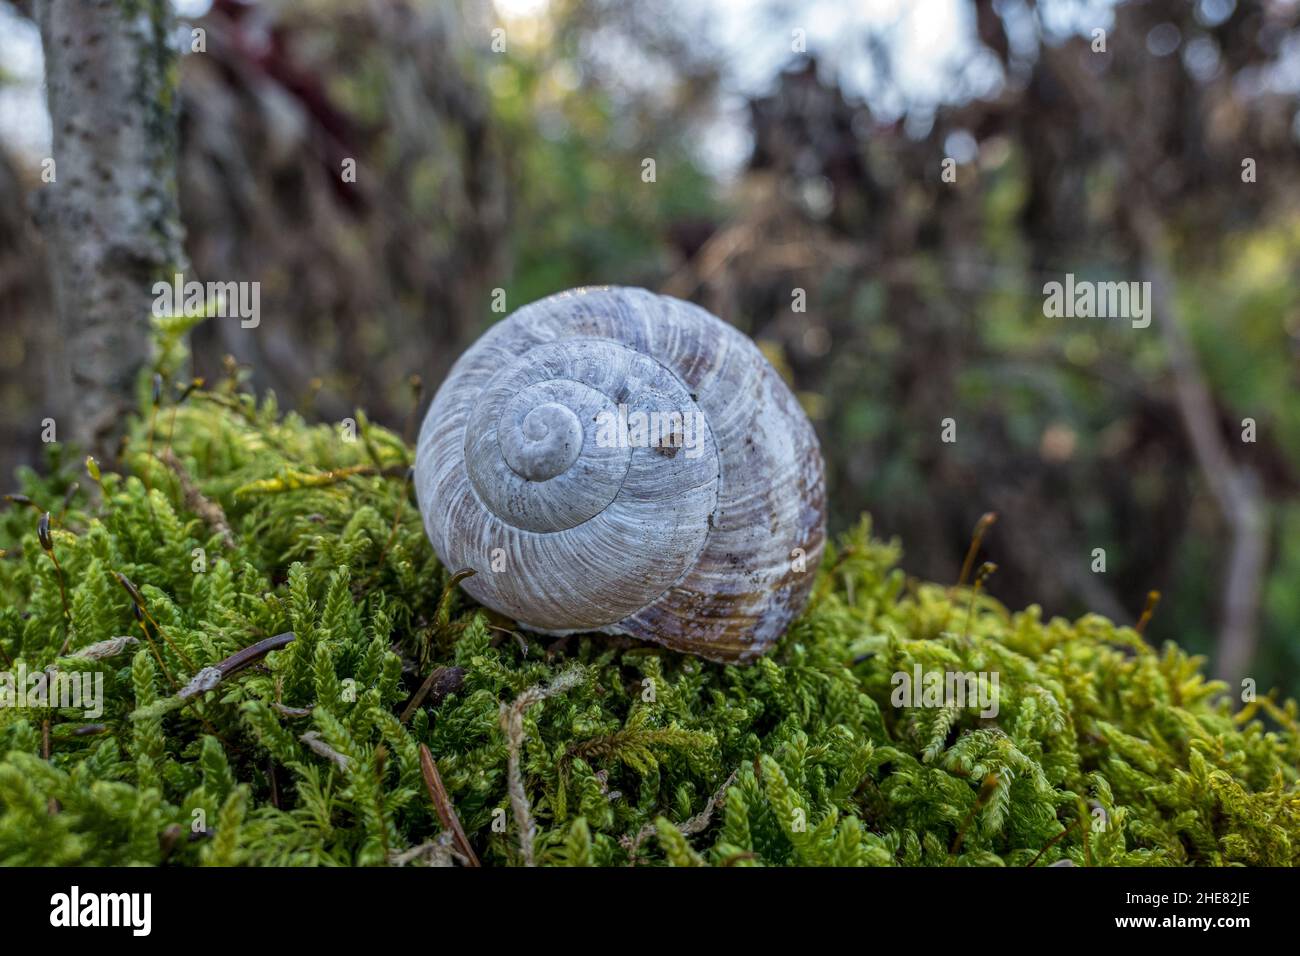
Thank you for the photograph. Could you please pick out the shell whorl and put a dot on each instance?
(534, 469)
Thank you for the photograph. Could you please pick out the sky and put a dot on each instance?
(24, 123)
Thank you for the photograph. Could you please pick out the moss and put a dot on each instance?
(1103, 751)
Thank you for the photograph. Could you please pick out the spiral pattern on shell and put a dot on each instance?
(697, 523)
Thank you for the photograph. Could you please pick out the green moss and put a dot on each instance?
(1103, 751)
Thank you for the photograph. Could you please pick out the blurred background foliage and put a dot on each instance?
(795, 148)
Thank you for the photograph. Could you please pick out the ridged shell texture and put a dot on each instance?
(612, 460)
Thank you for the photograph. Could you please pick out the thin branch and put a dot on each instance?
(196, 501)
(210, 677)
(442, 804)
(1235, 488)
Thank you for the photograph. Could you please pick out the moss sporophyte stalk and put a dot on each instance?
(291, 679)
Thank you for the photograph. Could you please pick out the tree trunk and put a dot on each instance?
(110, 215)
(1235, 488)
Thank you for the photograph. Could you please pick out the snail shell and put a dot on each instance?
(697, 526)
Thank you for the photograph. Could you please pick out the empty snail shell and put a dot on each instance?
(612, 460)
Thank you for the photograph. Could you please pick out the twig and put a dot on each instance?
(210, 677)
(442, 804)
(316, 743)
(195, 501)
(1235, 488)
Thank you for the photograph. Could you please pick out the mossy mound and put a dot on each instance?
(1103, 751)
